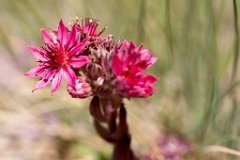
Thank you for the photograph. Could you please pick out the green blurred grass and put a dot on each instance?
(194, 41)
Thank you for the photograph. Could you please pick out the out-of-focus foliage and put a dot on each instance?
(196, 98)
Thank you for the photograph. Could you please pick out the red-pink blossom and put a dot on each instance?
(58, 57)
(170, 147)
(173, 147)
(128, 64)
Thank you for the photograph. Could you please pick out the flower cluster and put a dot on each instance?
(90, 64)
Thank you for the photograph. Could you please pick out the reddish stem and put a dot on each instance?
(117, 134)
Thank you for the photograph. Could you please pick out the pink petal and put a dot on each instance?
(149, 78)
(44, 81)
(125, 50)
(62, 33)
(116, 64)
(81, 90)
(145, 55)
(78, 62)
(132, 46)
(131, 59)
(71, 38)
(77, 48)
(47, 39)
(69, 75)
(36, 71)
(138, 68)
(140, 47)
(153, 60)
(37, 53)
(56, 81)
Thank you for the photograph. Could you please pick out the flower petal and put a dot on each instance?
(56, 81)
(148, 78)
(152, 61)
(72, 38)
(47, 39)
(138, 68)
(82, 89)
(36, 71)
(37, 53)
(116, 64)
(44, 80)
(77, 48)
(62, 33)
(69, 75)
(78, 62)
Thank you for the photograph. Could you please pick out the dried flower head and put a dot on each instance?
(88, 27)
(98, 71)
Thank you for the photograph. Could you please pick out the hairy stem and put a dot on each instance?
(114, 115)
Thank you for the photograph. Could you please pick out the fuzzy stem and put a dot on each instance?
(122, 147)
(115, 133)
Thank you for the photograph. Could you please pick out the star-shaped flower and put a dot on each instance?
(58, 57)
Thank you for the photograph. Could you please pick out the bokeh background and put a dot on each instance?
(197, 98)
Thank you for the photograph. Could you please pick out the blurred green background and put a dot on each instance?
(198, 94)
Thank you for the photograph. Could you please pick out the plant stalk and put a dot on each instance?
(109, 111)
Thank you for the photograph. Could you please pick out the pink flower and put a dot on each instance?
(81, 89)
(58, 57)
(172, 147)
(89, 26)
(128, 64)
(169, 147)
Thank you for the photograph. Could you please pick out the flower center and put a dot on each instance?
(59, 58)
